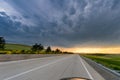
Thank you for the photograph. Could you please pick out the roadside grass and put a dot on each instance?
(110, 61)
(17, 47)
(25, 49)
(22, 49)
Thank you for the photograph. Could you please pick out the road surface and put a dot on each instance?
(48, 68)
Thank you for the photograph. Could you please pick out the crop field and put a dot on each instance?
(111, 61)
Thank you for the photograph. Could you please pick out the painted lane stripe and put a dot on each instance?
(86, 68)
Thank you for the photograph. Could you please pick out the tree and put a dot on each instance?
(40, 47)
(34, 47)
(48, 49)
(2, 43)
(57, 51)
(37, 47)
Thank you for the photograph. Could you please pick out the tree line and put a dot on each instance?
(36, 48)
(40, 47)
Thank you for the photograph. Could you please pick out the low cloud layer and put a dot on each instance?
(65, 23)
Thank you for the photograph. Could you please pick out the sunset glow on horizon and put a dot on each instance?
(108, 50)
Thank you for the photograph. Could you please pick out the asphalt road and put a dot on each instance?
(48, 68)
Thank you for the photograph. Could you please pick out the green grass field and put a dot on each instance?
(17, 47)
(110, 61)
(24, 49)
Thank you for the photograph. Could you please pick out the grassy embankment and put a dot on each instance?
(23, 49)
(17, 47)
(110, 61)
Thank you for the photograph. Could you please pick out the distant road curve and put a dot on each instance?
(48, 68)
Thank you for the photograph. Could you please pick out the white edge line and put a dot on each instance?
(86, 69)
(34, 69)
(105, 68)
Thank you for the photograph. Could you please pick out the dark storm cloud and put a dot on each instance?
(63, 22)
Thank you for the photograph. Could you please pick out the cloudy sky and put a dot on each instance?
(62, 23)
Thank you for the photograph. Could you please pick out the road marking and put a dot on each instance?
(34, 69)
(86, 69)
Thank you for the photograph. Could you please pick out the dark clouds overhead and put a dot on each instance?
(64, 23)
